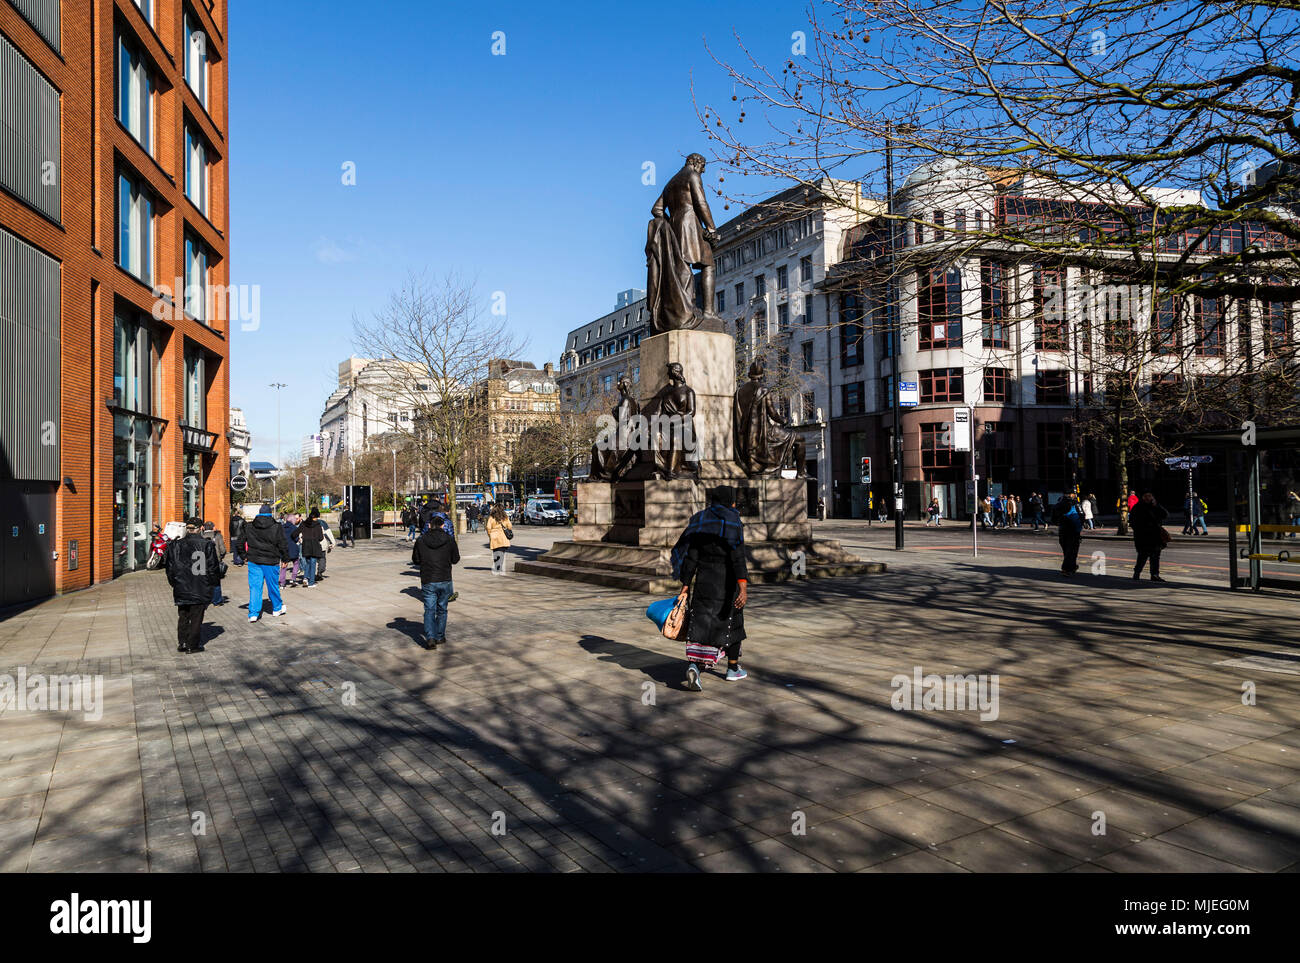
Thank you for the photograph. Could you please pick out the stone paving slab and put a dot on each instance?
(551, 733)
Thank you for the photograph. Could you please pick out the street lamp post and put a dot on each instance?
(394, 479)
(277, 385)
(894, 327)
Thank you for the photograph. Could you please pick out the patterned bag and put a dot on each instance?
(703, 654)
(675, 625)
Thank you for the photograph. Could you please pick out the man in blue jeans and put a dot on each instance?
(434, 553)
(265, 548)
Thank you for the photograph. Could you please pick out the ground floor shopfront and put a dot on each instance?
(1015, 451)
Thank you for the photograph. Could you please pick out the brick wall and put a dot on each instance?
(93, 286)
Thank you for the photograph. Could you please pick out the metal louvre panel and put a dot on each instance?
(30, 424)
(43, 15)
(29, 133)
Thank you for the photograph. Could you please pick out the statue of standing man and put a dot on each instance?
(679, 238)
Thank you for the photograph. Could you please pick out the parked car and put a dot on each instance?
(543, 511)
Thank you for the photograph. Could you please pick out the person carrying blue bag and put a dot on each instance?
(709, 561)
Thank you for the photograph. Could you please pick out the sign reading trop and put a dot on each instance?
(75, 916)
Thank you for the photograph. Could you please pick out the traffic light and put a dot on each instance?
(866, 471)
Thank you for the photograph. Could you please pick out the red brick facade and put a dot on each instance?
(94, 146)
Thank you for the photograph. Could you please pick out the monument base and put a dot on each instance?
(648, 568)
(626, 530)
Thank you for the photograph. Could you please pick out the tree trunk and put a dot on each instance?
(1123, 488)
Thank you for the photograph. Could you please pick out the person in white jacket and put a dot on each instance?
(1087, 513)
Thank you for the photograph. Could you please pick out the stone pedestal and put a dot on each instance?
(651, 513)
(654, 512)
(708, 361)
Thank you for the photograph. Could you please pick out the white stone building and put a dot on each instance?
(241, 440)
(364, 407)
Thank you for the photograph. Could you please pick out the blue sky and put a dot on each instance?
(521, 172)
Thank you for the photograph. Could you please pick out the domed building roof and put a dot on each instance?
(947, 173)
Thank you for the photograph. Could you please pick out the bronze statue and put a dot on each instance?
(765, 442)
(670, 417)
(610, 456)
(677, 243)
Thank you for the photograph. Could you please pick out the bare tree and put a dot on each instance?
(1119, 144)
(439, 344)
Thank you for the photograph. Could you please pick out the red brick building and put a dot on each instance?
(114, 254)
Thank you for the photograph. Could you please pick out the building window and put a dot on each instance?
(939, 305)
(1277, 327)
(782, 278)
(760, 285)
(959, 222)
(196, 280)
(805, 269)
(134, 94)
(938, 225)
(740, 294)
(1052, 456)
(1051, 388)
(852, 399)
(993, 304)
(997, 384)
(807, 348)
(998, 462)
(809, 411)
(1209, 327)
(1049, 309)
(936, 452)
(721, 298)
(196, 60)
(132, 366)
(851, 347)
(134, 229)
(146, 9)
(1113, 305)
(782, 317)
(920, 233)
(941, 384)
(1168, 323)
(196, 169)
(196, 402)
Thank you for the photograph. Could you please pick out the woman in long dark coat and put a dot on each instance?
(1145, 519)
(710, 562)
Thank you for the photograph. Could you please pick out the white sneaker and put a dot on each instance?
(736, 674)
(693, 678)
(281, 612)
(252, 618)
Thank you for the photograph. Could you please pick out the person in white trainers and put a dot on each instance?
(709, 561)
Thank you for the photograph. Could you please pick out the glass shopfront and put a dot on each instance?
(135, 453)
(192, 484)
(135, 444)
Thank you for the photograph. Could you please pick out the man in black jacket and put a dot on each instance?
(345, 527)
(193, 569)
(435, 552)
(237, 537)
(266, 548)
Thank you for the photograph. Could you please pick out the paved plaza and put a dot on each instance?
(552, 733)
